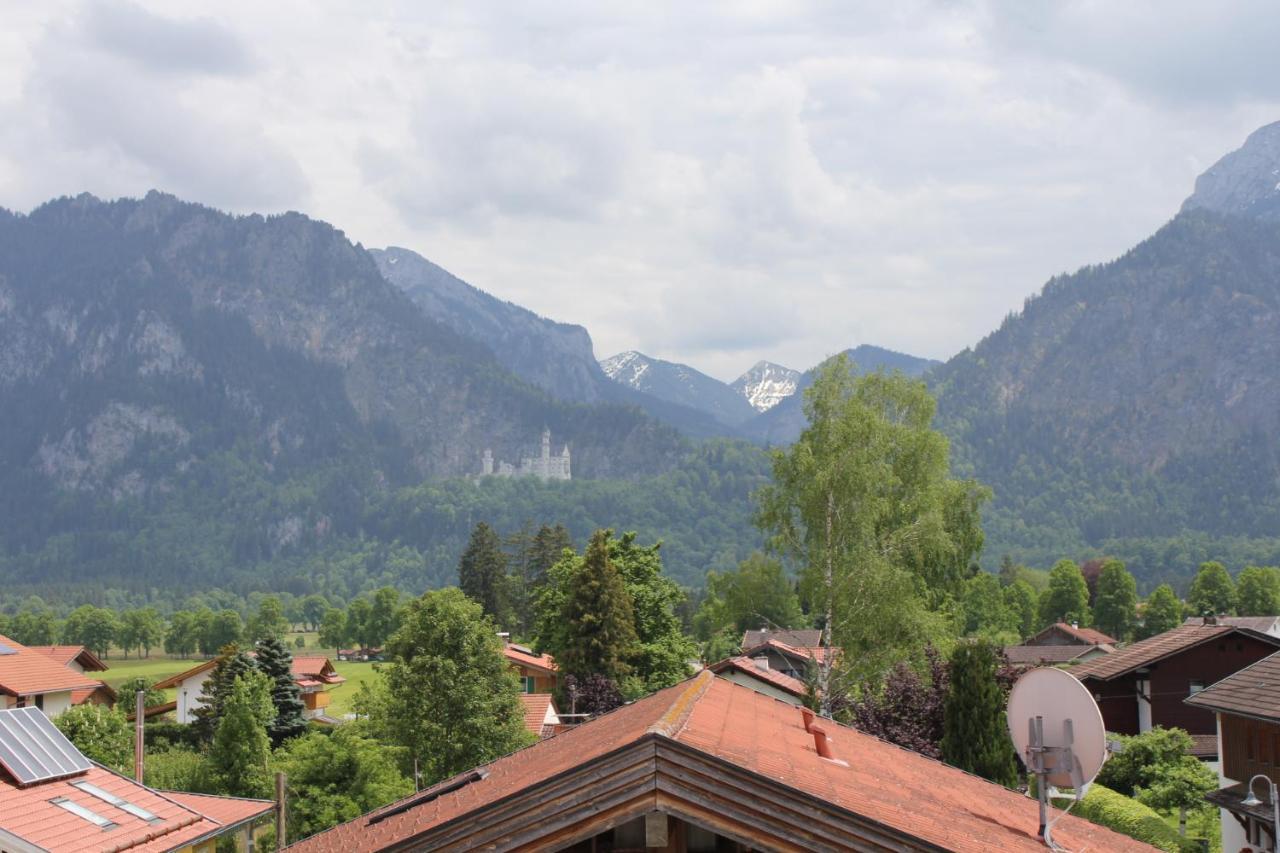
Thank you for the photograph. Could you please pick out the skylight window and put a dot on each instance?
(124, 805)
(80, 811)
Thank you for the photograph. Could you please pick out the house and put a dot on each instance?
(313, 675)
(711, 765)
(1264, 624)
(1247, 706)
(787, 659)
(540, 715)
(806, 638)
(54, 800)
(1054, 655)
(29, 678)
(757, 674)
(1143, 684)
(1069, 634)
(81, 660)
(361, 654)
(537, 673)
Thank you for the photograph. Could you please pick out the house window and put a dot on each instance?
(1196, 687)
(40, 701)
(528, 684)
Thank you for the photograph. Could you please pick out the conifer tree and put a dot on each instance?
(974, 734)
(1163, 611)
(232, 663)
(482, 572)
(241, 749)
(599, 621)
(548, 547)
(276, 662)
(1115, 609)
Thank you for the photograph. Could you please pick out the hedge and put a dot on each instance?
(1127, 816)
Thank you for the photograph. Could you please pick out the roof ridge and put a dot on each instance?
(674, 718)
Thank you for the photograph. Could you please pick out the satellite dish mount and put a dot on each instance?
(1050, 763)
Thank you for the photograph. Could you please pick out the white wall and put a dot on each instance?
(188, 696)
(56, 703)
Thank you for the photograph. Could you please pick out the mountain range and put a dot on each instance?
(166, 368)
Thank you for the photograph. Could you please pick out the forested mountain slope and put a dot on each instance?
(1136, 400)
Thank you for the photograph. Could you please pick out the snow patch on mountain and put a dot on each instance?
(766, 385)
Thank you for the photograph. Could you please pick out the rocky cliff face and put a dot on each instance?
(556, 357)
(1245, 182)
(138, 336)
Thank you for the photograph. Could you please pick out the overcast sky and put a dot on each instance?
(709, 183)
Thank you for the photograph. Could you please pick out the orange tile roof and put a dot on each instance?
(535, 711)
(28, 814)
(66, 654)
(817, 653)
(1159, 647)
(746, 665)
(175, 680)
(317, 667)
(1086, 636)
(896, 788)
(29, 672)
(225, 810)
(514, 655)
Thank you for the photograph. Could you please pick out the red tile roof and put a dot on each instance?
(1159, 647)
(535, 711)
(773, 677)
(175, 680)
(318, 668)
(66, 654)
(799, 653)
(881, 783)
(28, 672)
(28, 814)
(515, 655)
(1085, 636)
(225, 810)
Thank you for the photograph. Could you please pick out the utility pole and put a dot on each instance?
(280, 808)
(140, 702)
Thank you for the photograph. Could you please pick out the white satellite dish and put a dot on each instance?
(1058, 731)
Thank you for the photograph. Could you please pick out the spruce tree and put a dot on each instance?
(482, 572)
(232, 663)
(276, 662)
(974, 734)
(549, 545)
(598, 618)
(241, 750)
(1116, 605)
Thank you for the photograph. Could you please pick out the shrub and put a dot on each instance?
(1127, 816)
(165, 735)
(177, 769)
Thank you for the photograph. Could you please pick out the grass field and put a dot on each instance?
(356, 674)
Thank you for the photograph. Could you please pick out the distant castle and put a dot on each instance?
(544, 467)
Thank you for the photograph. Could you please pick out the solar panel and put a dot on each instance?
(32, 750)
(7, 650)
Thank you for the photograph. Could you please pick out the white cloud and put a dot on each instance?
(710, 183)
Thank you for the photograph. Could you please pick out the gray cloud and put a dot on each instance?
(711, 183)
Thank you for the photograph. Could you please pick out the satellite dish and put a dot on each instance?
(1073, 740)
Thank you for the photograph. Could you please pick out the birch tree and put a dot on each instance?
(865, 505)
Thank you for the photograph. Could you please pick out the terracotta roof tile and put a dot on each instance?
(1152, 649)
(535, 707)
(66, 654)
(883, 783)
(1252, 692)
(515, 655)
(773, 677)
(29, 672)
(224, 810)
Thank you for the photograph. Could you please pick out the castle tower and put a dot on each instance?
(546, 443)
(564, 463)
(486, 462)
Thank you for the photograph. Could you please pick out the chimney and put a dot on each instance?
(807, 716)
(1075, 624)
(821, 743)
(762, 663)
(1210, 619)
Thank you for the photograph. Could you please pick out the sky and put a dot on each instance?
(710, 183)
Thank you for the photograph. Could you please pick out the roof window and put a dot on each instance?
(124, 805)
(82, 812)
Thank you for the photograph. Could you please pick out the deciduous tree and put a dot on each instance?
(1212, 592)
(1067, 598)
(1116, 603)
(1163, 611)
(757, 594)
(101, 733)
(1258, 591)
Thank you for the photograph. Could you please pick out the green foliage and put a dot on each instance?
(232, 664)
(267, 621)
(276, 663)
(34, 627)
(1143, 758)
(95, 628)
(101, 733)
(338, 777)
(178, 768)
(140, 629)
(127, 690)
(450, 699)
(1163, 611)
(1258, 591)
(482, 573)
(1179, 788)
(986, 610)
(1022, 602)
(1212, 591)
(333, 628)
(1067, 597)
(1116, 604)
(239, 755)
(975, 737)
(598, 624)
(757, 594)
(1114, 810)
(221, 629)
(183, 636)
(865, 504)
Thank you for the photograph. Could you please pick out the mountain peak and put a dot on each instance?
(766, 384)
(1245, 182)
